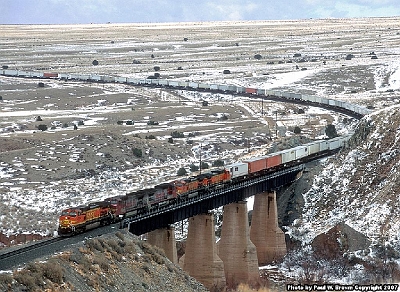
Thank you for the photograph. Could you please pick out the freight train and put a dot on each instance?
(352, 109)
(79, 219)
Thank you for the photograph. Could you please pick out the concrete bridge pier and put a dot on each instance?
(235, 248)
(201, 260)
(164, 238)
(265, 233)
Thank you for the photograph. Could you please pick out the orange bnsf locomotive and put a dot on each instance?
(79, 219)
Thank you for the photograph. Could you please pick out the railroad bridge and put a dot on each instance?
(241, 249)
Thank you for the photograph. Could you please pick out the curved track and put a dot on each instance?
(44, 248)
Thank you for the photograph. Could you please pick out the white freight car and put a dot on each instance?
(238, 169)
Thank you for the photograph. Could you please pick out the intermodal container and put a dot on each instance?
(256, 164)
(163, 82)
(173, 83)
(260, 91)
(323, 145)
(301, 151)
(214, 86)
(50, 75)
(240, 89)
(193, 85)
(288, 155)
(273, 160)
(313, 147)
(251, 90)
(238, 169)
(120, 79)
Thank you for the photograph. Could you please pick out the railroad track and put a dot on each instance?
(46, 248)
(29, 248)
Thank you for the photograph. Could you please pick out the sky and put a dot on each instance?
(139, 11)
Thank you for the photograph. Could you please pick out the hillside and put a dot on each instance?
(360, 186)
(115, 262)
(355, 199)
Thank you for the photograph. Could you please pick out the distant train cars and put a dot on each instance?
(356, 110)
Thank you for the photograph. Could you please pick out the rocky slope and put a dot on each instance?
(115, 262)
(349, 212)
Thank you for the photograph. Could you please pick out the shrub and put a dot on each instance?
(181, 171)
(54, 272)
(81, 123)
(218, 163)
(42, 127)
(177, 134)
(95, 62)
(223, 118)
(40, 84)
(297, 130)
(38, 119)
(151, 137)
(137, 152)
(193, 167)
(330, 131)
(204, 165)
(102, 262)
(157, 68)
(94, 244)
(258, 57)
(170, 140)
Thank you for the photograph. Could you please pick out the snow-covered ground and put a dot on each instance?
(43, 172)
